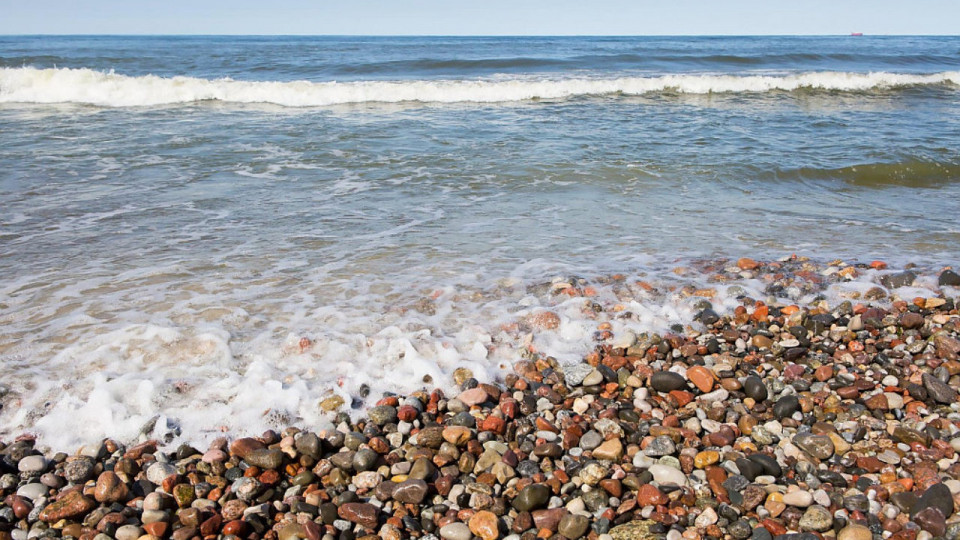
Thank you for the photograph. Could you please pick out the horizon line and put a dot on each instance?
(850, 34)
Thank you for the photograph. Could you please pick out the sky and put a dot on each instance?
(480, 17)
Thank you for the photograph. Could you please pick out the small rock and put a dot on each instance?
(71, 505)
(455, 531)
(485, 525)
(799, 498)
(531, 497)
(816, 518)
(573, 526)
(110, 488)
(667, 381)
(666, 475)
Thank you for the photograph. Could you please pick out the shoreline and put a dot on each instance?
(833, 421)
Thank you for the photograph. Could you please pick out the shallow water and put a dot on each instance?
(168, 235)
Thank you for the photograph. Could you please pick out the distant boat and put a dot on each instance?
(856, 33)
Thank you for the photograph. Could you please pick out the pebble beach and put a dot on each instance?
(769, 421)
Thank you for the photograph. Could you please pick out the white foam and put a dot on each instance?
(109, 89)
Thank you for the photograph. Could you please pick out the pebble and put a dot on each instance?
(157, 472)
(799, 498)
(455, 531)
(667, 381)
(666, 475)
(816, 518)
(854, 532)
(532, 497)
(573, 526)
(771, 421)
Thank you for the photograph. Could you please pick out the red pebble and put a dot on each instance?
(494, 424)
(157, 528)
(211, 526)
(234, 527)
(509, 408)
(407, 413)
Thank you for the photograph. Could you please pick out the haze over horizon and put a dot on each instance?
(493, 18)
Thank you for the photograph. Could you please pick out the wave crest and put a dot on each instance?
(109, 89)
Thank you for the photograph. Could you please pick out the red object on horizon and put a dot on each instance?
(856, 33)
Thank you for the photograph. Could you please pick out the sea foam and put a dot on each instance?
(109, 89)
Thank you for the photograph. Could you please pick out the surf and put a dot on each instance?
(29, 85)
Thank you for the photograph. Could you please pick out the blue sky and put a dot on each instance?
(478, 17)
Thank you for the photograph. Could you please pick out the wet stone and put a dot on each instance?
(531, 497)
(786, 406)
(410, 491)
(931, 520)
(855, 532)
(660, 446)
(816, 518)
(79, 470)
(573, 526)
(769, 464)
(938, 390)
(667, 381)
(897, 280)
(636, 530)
(936, 496)
(754, 388)
(71, 505)
(383, 414)
(818, 446)
(948, 278)
(265, 458)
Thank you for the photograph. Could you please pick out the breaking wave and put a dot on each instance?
(109, 89)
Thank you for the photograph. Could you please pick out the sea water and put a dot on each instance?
(208, 235)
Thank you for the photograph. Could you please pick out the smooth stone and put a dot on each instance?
(575, 374)
(938, 390)
(786, 406)
(799, 498)
(754, 388)
(128, 532)
(897, 280)
(32, 464)
(383, 414)
(33, 491)
(948, 278)
(635, 530)
(769, 464)
(410, 491)
(855, 532)
(660, 446)
(71, 505)
(818, 446)
(611, 450)
(593, 378)
(485, 525)
(667, 381)
(592, 440)
(666, 475)
(936, 496)
(531, 497)
(573, 526)
(265, 458)
(79, 470)
(157, 472)
(816, 518)
(931, 520)
(456, 531)
(110, 488)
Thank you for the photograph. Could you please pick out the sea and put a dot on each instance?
(207, 236)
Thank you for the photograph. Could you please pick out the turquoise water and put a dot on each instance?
(185, 209)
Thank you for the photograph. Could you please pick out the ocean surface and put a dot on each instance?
(206, 235)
